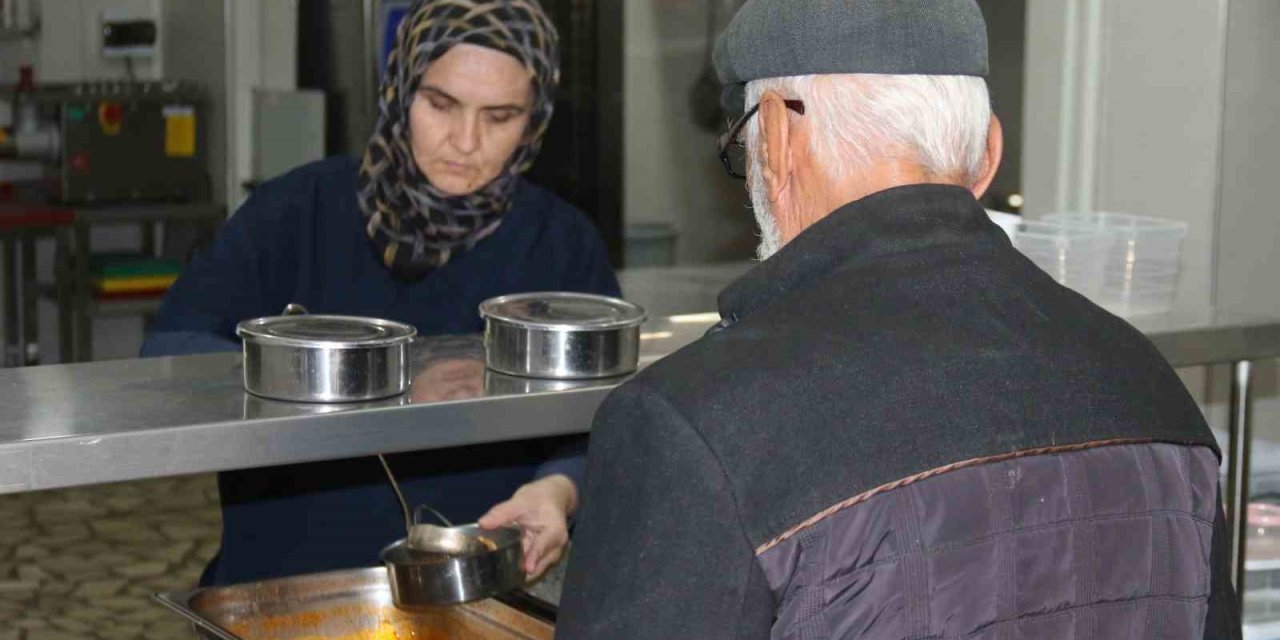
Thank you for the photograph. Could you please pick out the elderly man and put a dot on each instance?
(901, 428)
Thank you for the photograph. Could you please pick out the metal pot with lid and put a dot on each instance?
(561, 335)
(325, 358)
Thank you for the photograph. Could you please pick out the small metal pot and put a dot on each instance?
(561, 335)
(305, 358)
(421, 581)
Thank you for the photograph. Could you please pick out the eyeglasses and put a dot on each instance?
(733, 154)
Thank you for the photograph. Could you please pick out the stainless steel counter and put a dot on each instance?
(68, 425)
(93, 423)
(1186, 337)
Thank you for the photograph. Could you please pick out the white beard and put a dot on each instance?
(770, 240)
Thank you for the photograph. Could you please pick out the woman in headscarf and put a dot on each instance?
(434, 219)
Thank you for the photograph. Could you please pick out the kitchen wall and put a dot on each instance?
(1123, 112)
(1248, 222)
(671, 172)
(1247, 250)
(70, 46)
(1166, 109)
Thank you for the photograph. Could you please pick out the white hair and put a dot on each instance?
(770, 238)
(938, 122)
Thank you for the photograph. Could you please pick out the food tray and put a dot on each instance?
(342, 605)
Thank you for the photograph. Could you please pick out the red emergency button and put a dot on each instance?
(110, 117)
(80, 162)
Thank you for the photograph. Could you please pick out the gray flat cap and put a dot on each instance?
(776, 38)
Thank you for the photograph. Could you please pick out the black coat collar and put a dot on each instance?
(857, 235)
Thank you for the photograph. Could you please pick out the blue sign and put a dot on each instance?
(393, 14)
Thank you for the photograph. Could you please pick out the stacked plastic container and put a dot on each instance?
(1140, 269)
(1072, 255)
(1126, 263)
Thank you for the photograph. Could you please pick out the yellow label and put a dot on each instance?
(179, 132)
(4, 135)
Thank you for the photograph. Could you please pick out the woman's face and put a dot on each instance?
(469, 115)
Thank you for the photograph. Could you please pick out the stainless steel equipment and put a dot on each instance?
(321, 358)
(116, 140)
(420, 581)
(354, 604)
(561, 335)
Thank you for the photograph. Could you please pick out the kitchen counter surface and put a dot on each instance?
(69, 425)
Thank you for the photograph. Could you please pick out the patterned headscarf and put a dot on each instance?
(414, 226)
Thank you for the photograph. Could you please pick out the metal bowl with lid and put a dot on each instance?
(325, 358)
(561, 335)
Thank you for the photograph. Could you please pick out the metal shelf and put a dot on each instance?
(112, 308)
(67, 425)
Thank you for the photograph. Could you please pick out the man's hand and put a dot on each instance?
(541, 510)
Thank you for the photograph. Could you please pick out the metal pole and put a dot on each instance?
(30, 343)
(10, 356)
(80, 292)
(62, 283)
(1240, 434)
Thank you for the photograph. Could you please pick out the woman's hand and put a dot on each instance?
(541, 510)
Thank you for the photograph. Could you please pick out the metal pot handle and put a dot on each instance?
(294, 309)
(417, 515)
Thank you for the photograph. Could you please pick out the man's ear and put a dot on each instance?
(775, 132)
(991, 160)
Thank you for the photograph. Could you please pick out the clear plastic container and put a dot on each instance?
(1072, 255)
(1007, 221)
(1141, 265)
(1262, 567)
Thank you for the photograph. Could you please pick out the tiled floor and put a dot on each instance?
(81, 564)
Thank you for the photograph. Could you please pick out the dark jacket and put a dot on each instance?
(902, 429)
(300, 238)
